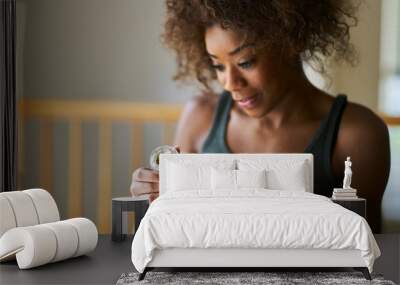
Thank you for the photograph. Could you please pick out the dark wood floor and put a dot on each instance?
(110, 260)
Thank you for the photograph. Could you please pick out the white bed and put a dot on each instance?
(219, 210)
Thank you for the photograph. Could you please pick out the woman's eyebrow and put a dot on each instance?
(235, 51)
(240, 48)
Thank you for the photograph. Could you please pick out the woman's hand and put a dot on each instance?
(145, 181)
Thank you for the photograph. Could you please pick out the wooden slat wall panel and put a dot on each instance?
(75, 197)
(168, 133)
(391, 121)
(66, 109)
(104, 178)
(137, 145)
(104, 112)
(45, 154)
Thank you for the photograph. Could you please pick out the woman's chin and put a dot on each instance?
(254, 113)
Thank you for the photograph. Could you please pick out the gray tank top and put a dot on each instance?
(321, 145)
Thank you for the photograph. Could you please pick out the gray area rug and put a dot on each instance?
(226, 278)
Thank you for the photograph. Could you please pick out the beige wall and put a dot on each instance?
(107, 49)
(361, 83)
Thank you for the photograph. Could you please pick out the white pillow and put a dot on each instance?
(235, 179)
(223, 179)
(292, 179)
(251, 178)
(285, 174)
(188, 172)
(181, 177)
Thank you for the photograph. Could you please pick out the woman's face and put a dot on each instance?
(255, 78)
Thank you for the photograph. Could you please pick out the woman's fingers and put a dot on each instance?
(178, 149)
(153, 196)
(145, 175)
(146, 181)
(140, 188)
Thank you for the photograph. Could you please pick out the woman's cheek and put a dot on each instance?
(221, 79)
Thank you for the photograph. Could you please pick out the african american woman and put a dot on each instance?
(255, 50)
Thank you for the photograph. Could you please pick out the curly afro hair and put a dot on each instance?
(309, 29)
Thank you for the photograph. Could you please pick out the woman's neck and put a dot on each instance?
(294, 103)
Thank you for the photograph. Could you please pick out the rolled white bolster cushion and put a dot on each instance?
(87, 234)
(46, 207)
(67, 240)
(41, 244)
(23, 208)
(7, 218)
(33, 246)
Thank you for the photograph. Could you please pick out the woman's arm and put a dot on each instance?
(195, 123)
(364, 137)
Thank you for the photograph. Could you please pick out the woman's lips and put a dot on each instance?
(249, 102)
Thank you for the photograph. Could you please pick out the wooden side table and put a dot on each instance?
(120, 208)
(357, 205)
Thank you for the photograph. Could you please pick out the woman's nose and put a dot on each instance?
(233, 80)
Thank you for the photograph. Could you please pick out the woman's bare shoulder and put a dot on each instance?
(360, 123)
(195, 122)
(364, 136)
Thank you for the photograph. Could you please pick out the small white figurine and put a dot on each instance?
(347, 174)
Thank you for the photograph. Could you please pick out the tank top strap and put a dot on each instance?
(323, 146)
(328, 125)
(215, 142)
(333, 123)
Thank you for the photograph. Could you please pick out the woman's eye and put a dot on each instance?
(247, 64)
(218, 67)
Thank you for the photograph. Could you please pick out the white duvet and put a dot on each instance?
(252, 218)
